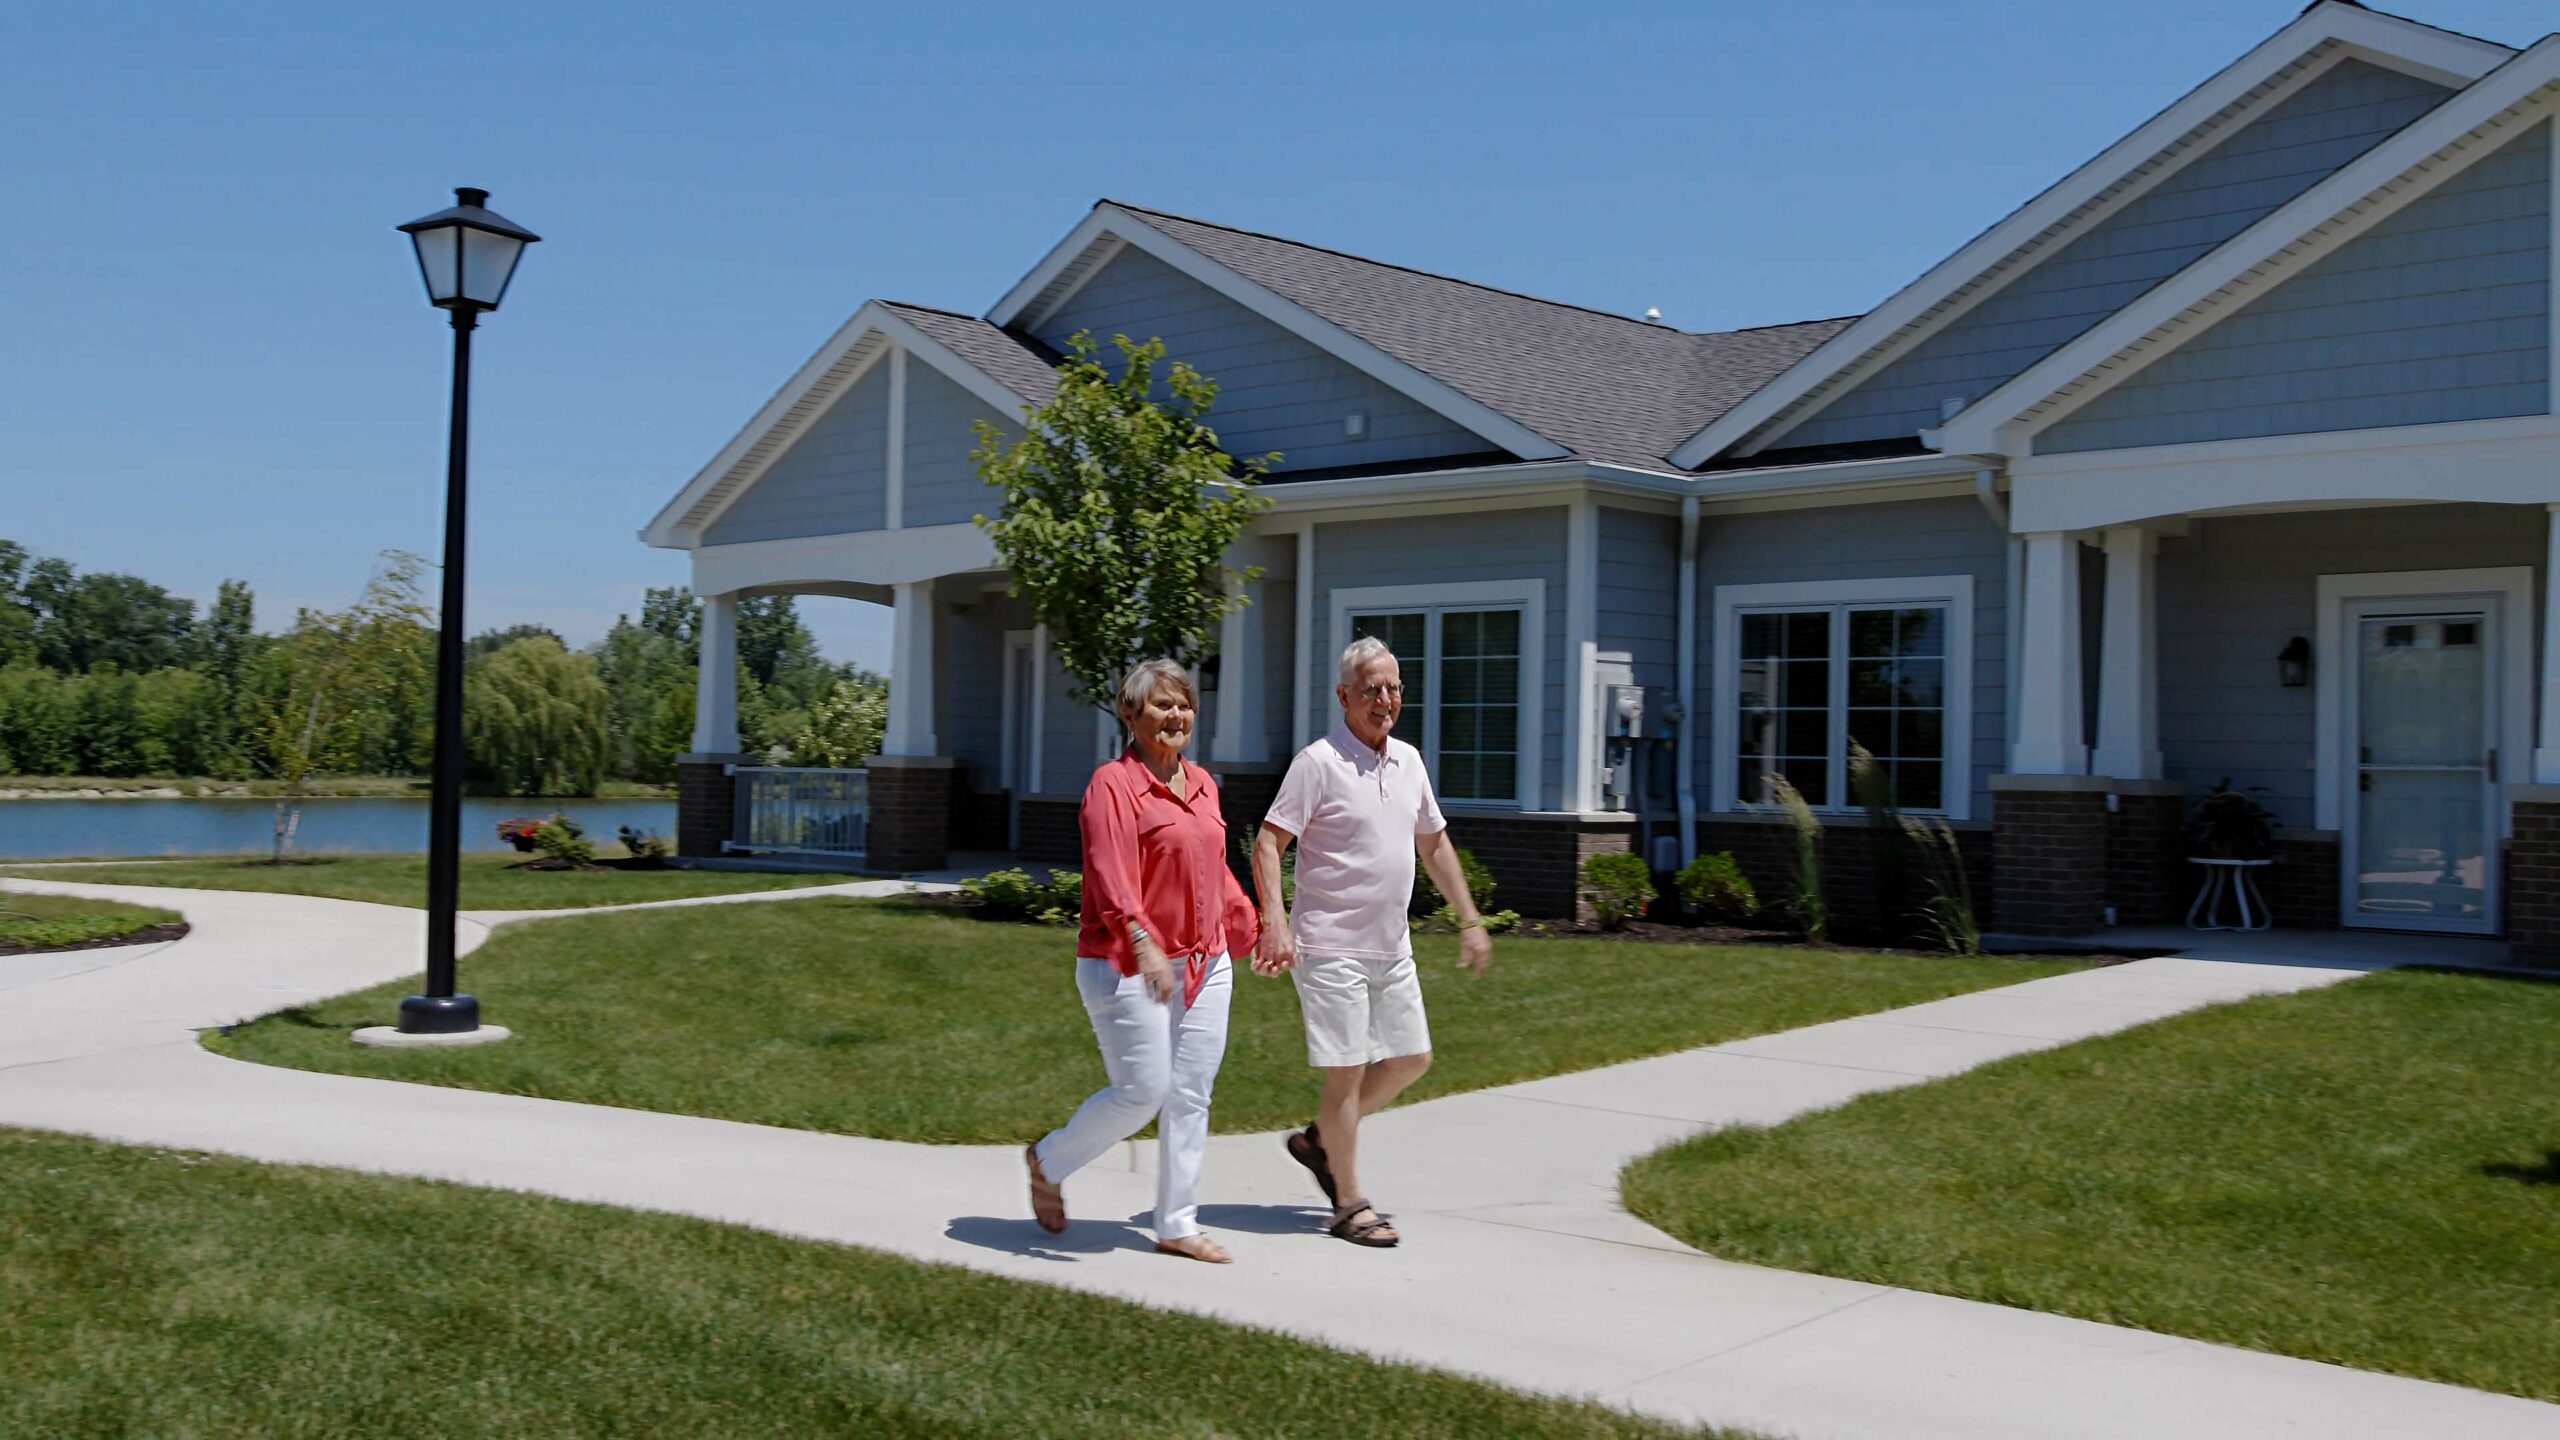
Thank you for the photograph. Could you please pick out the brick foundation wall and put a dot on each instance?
(706, 807)
(2301, 888)
(2533, 882)
(1765, 849)
(2149, 881)
(1050, 834)
(2049, 858)
(909, 825)
(1537, 863)
(980, 819)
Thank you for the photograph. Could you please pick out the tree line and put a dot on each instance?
(113, 676)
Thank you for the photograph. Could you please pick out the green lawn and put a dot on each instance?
(487, 882)
(884, 1018)
(39, 921)
(152, 1292)
(2368, 1174)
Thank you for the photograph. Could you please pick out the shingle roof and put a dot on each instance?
(1606, 387)
(1017, 362)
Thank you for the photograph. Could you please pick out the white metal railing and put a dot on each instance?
(783, 809)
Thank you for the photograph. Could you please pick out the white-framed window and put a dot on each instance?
(1473, 663)
(1803, 669)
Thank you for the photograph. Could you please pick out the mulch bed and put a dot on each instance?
(161, 933)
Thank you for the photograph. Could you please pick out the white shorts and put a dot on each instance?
(1359, 1011)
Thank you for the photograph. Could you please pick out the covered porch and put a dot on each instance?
(2372, 669)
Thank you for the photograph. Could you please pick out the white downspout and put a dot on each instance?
(1687, 788)
(1987, 490)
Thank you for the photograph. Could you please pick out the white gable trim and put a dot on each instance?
(2322, 37)
(1050, 283)
(2374, 187)
(874, 331)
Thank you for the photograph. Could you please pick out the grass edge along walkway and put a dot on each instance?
(893, 1020)
(488, 882)
(52, 922)
(156, 1291)
(2366, 1174)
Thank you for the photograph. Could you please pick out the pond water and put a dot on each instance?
(47, 829)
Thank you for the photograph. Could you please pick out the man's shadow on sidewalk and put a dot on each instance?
(1019, 1235)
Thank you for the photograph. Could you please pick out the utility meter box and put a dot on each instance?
(1617, 719)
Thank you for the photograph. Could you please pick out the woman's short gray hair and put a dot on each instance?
(1357, 654)
(1148, 676)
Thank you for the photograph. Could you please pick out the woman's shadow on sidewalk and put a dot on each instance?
(1019, 1235)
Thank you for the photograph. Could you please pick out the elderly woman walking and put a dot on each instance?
(1162, 912)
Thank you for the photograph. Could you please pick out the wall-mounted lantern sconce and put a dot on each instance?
(2293, 663)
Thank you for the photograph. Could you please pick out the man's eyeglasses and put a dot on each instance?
(1382, 692)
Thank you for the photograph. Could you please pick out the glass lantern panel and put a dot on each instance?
(439, 261)
(487, 260)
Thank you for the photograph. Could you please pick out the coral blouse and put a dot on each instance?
(1159, 859)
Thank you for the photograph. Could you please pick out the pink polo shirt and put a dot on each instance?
(1356, 813)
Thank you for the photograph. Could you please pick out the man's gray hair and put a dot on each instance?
(1357, 654)
(1148, 676)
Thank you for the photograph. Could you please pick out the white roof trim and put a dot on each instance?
(2311, 225)
(2120, 173)
(1070, 263)
(851, 351)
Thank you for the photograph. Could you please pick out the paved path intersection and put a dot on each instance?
(1518, 1264)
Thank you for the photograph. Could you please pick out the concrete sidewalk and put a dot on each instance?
(1518, 1264)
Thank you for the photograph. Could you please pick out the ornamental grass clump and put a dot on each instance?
(1713, 887)
(1619, 887)
(1804, 876)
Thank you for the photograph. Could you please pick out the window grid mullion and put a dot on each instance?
(1431, 678)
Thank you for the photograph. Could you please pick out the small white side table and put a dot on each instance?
(2229, 884)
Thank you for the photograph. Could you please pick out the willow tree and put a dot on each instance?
(534, 719)
(1119, 508)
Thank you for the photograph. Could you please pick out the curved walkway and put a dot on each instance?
(1518, 1265)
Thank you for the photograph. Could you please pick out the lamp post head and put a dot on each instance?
(467, 252)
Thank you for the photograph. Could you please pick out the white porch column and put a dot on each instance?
(1239, 737)
(2546, 751)
(2050, 738)
(2128, 660)
(910, 729)
(715, 695)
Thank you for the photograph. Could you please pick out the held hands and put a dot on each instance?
(1274, 952)
(1155, 969)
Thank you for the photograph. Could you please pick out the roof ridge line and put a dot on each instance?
(1407, 269)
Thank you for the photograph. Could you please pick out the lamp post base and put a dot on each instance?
(383, 1037)
(439, 1014)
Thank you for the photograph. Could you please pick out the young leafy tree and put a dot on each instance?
(333, 668)
(1118, 510)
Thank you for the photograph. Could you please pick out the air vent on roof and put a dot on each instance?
(1653, 314)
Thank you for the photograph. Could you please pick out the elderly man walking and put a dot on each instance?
(1360, 810)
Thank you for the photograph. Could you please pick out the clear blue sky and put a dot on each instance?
(215, 359)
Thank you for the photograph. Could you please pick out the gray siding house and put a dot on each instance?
(2233, 454)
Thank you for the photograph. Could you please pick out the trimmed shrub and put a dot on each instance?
(1012, 894)
(565, 840)
(1439, 914)
(1714, 887)
(1619, 887)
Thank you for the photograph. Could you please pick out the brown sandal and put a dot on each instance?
(1347, 1226)
(1048, 1202)
(1307, 1150)
(1196, 1247)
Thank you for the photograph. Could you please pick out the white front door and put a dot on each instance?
(2420, 848)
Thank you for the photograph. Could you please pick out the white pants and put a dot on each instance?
(1162, 1058)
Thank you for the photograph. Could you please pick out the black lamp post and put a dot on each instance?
(466, 254)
